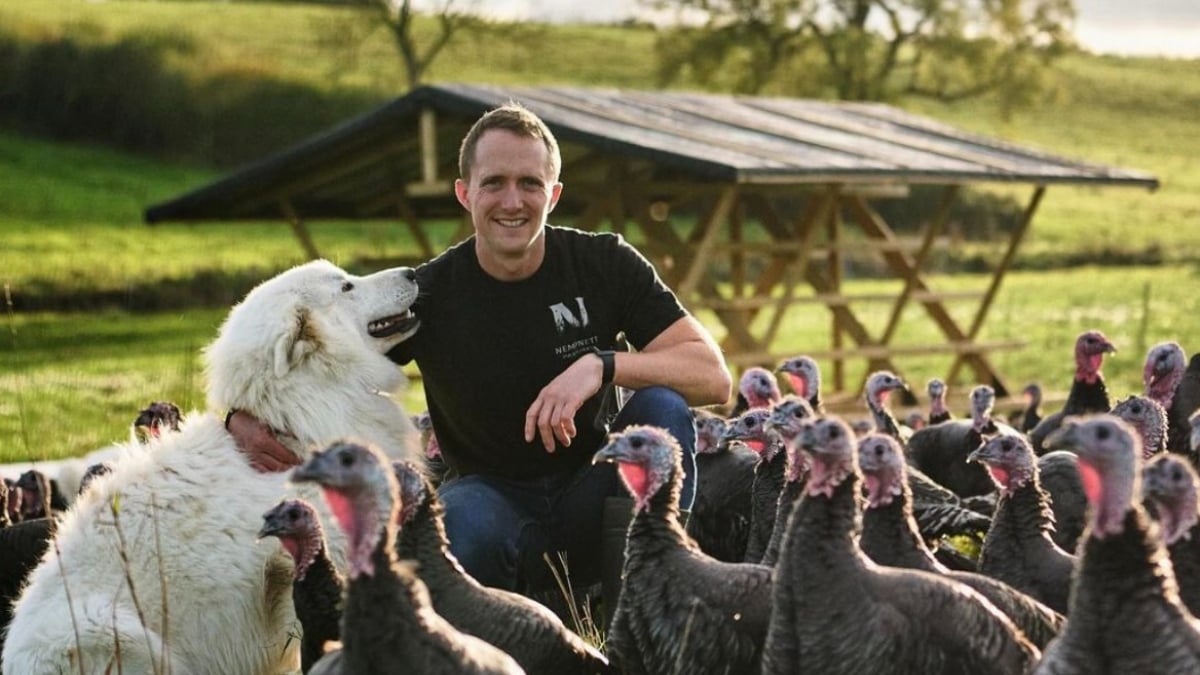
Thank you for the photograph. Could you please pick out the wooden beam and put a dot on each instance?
(298, 228)
(708, 229)
(428, 135)
(1001, 270)
(931, 230)
(877, 351)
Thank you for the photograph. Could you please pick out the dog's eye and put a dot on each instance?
(347, 286)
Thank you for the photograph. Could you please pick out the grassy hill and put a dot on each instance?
(70, 214)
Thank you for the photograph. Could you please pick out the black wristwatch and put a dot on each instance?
(606, 358)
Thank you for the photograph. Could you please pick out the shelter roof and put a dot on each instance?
(348, 171)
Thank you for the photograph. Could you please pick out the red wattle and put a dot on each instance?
(635, 477)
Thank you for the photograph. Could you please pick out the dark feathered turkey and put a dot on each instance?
(752, 429)
(941, 451)
(720, 518)
(938, 412)
(795, 479)
(527, 630)
(22, 546)
(1125, 614)
(880, 384)
(1025, 419)
(890, 537)
(40, 495)
(1018, 549)
(1058, 473)
(316, 584)
(680, 611)
(1148, 419)
(834, 611)
(1185, 402)
(804, 376)
(1088, 393)
(5, 520)
(156, 419)
(1169, 487)
(757, 388)
(12, 493)
(388, 623)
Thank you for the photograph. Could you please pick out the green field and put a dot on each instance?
(70, 216)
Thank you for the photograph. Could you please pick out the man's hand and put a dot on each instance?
(552, 414)
(257, 442)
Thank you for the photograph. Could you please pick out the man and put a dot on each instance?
(518, 327)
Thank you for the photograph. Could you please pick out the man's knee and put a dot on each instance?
(484, 530)
(661, 407)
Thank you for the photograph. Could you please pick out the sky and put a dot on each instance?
(1126, 27)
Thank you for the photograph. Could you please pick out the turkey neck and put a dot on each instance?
(821, 547)
(382, 609)
(1087, 397)
(1118, 570)
(764, 500)
(1024, 515)
(656, 527)
(791, 492)
(885, 420)
(423, 539)
(890, 537)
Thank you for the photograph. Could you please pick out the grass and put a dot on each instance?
(71, 214)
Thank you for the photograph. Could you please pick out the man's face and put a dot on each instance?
(510, 193)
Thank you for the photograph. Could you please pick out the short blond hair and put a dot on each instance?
(518, 119)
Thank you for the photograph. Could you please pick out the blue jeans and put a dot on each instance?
(500, 528)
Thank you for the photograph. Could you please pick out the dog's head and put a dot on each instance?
(312, 327)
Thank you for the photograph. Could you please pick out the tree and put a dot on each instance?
(399, 17)
(865, 49)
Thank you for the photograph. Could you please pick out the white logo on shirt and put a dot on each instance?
(563, 316)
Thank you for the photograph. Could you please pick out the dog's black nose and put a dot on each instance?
(409, 273)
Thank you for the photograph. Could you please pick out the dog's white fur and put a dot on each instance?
(184, 511)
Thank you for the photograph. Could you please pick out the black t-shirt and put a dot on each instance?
(485, 347)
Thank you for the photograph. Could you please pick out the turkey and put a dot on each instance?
(752, 429)
(1194, 438)
(1169, 486)
(316, 584)
(890, 538)
(680, 611)
(787, 419)
(1018, 549)
(92, 473)
(22, 546)
(526, 630)
(880, 384)
(1058, 473)
(804, 375)
(1088, 392)
(1125, 614)
(388, 621)
(941, 451)
(40, 495)
(156, 419)
(1028, 417)
(720, 518)
(835, 611)
(1185, 402)
(5, 520)
(435, 465)
(756, 388)
(938, 412)
(1148, 419)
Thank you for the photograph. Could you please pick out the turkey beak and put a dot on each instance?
(271, 528)
(978, 455)
(308, 472)
(1108, 348)
(609, 453)
(1062, 437)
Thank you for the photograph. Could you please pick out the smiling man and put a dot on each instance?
(518, 329)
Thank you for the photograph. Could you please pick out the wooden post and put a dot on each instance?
(298, 228)
(429, 156)
(834, 260)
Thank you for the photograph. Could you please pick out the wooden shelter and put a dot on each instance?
(747, 205)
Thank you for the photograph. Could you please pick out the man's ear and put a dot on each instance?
(293, 346)
(460, 191)
(555, 193)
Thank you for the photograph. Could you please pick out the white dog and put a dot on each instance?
(158, 565)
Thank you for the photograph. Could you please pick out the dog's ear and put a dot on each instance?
(295, 344)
